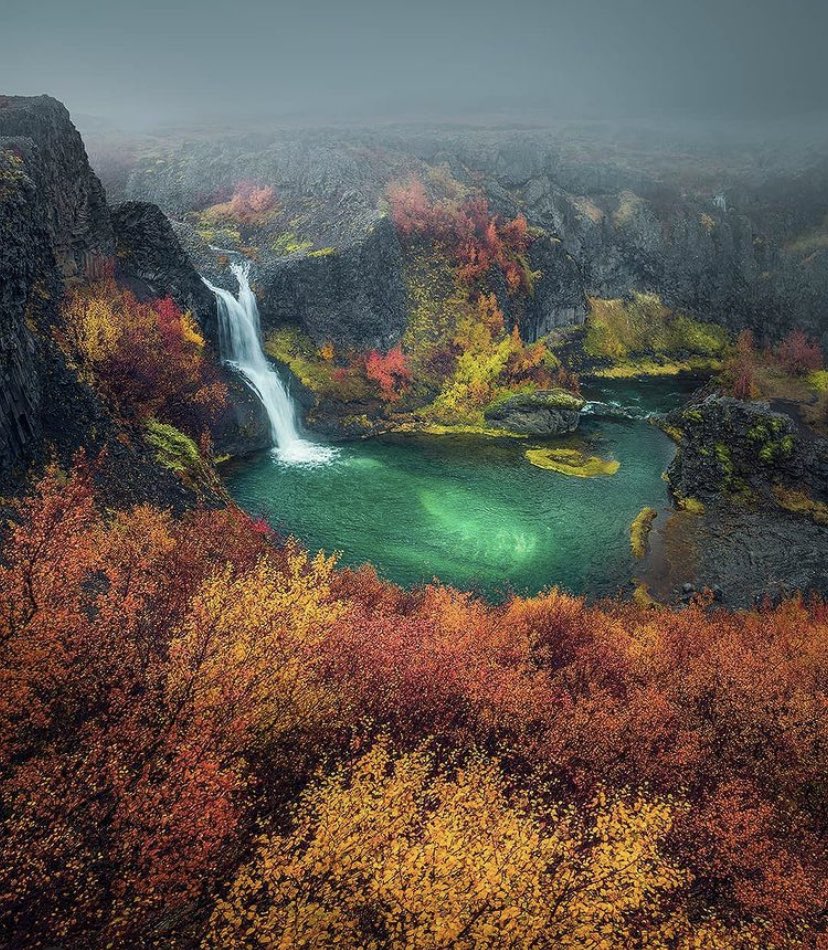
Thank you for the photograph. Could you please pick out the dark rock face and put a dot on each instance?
(542, 413)
(25, 257)
(151, 259)
(55, 227)
(732, 446)
(558, 297)
(353, 297)
(76, 215)
(732, 455)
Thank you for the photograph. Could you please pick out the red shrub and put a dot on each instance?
(389, 371)
(798, 354)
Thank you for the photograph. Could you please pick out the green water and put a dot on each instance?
(472, 511)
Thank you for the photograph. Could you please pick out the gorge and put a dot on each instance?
(414, 476)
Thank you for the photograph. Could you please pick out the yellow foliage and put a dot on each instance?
(403, 853)
(190, 330)
(91, 327)
(693, 505)
(247, 649)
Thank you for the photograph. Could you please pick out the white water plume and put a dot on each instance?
(240, 345)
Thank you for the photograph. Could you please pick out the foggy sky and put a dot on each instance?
(164, 61)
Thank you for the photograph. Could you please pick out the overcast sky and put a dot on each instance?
(154, 61)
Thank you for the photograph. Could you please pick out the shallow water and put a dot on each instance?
(472, 511)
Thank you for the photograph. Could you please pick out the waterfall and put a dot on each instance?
(240, 346)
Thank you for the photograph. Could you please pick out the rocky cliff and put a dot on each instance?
(710, 229)
(56, 228)
(353, 296)
(25, 258)
(73, 199)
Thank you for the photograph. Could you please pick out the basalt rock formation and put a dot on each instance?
(730, 447)
(57, 229)
(756, 486)
(745, 248)
(72, 198)
(353, 296)
(151, 260)
(25, 258)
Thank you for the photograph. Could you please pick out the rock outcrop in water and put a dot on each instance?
(546, 412)
(756, 486)
(730, 447)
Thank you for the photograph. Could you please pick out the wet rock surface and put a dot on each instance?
(543, 413)
(742, 543)
(740, 555)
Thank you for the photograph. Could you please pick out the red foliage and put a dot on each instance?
(389, 371)
(126, 799)
(798, 354)
(156, 365)
(477, 239)
(250, 199)
(120, 806)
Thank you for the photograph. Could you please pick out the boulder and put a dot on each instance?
(546, 412)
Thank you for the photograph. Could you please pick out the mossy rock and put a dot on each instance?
(177, 452)
(572, 462)
(640, 530)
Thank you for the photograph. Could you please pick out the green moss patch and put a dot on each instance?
(642, 337)
(177, 452)
(640, 530)
(572, 462)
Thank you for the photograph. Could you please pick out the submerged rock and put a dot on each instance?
(572, 462)
(547, 412)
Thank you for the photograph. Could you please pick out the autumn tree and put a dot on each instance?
(798, 354)
(389, 371)
(404, 852)
(148, 359)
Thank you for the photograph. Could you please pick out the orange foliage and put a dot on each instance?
(741, 369)
(164, 683)
(390, 372)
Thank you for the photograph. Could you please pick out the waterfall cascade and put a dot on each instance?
(240, 346)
